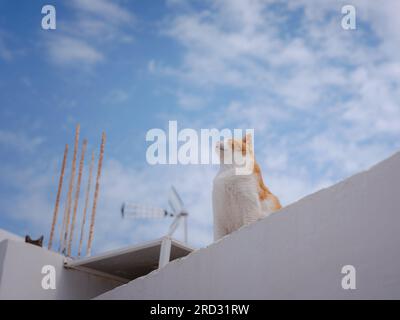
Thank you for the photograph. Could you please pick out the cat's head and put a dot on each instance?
(37, 242)
(236, 151)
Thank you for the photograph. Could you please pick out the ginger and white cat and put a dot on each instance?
(239, 199)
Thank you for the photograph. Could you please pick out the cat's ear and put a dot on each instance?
(248, 141)
(247, 136)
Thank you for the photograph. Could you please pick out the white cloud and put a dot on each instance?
(102, 21)
(35, 189)
(116, 96)
(19, 141)
(190, 101)
(84, 40)
(5, 52)
(7, 46)
(304, 73)
(105, 10)
(150, 185)
(68, 50)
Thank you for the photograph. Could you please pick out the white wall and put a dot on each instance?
(4, 235)
(20, 275)
(297, 253)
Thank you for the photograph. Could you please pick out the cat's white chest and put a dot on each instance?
(235, 202)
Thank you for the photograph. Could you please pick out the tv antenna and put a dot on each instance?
(177, 210)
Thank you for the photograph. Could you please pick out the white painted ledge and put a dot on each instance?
(21, 275)
(6, 235)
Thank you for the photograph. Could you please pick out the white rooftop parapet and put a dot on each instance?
(298, 252)
(4, 235)
(23, 267)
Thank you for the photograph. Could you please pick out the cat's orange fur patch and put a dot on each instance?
(264, 193)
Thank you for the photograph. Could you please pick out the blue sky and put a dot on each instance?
(324, 101)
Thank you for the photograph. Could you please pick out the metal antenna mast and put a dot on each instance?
(177, 211)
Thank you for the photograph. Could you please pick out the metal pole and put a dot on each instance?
(165, 251)
(86, 204)
(185, 230)
(71, 185)
(62, 228)
(60, 183)
(174, 225)
(96, 194)
(77, 191)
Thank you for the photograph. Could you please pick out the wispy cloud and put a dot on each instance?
(190, 101)
(83, 39)
(105, 10)
(33, 203)
(19, 141)
(116, 96)
(296, 68)
(5, 51)
(68, 50)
